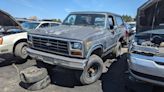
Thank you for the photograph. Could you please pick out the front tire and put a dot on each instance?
(20, 50)
(92, 71)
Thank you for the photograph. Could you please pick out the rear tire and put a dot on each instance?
(20, 50)
(92, 71)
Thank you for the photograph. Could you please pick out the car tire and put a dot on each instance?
(33, 74)
(37, 85)
(92, 71)
(20, 50)
(117, 50)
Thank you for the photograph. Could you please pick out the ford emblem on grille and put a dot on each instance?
(48, 44)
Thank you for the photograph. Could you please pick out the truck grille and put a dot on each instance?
(50, 45)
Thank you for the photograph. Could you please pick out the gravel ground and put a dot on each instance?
(116, 79)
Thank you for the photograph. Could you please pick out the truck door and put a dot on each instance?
(110, 33)
(120, 28)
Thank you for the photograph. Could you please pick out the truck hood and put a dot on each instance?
(8, 22)
(70, 32)
(150, 16)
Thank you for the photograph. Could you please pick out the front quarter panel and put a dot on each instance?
(94, 42)
(10, 40)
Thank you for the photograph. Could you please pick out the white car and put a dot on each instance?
(133, 26)
(13, 39)
(38, 24)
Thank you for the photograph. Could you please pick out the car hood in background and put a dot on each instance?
(150, 16)
(8, 22)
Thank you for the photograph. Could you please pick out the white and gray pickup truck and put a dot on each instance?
(79, 43)
(13, 39)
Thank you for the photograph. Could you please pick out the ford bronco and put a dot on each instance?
(79, 43)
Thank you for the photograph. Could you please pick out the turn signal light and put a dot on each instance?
(76, 53)
(1, 41)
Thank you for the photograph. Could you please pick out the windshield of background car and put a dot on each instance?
(29, 25)
(97, 20)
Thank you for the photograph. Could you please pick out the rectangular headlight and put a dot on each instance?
(76, 45)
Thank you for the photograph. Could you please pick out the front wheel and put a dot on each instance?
(20, 50)
(92, 71)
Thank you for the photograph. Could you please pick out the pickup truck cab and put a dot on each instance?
(79, 43)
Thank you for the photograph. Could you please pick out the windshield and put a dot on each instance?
(85, 20)
(29, 25)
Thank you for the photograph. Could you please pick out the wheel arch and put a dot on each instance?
(18, 41)
(98, 50)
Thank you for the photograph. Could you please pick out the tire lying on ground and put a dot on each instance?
(33, 74)
(92, 71)
(37, 85)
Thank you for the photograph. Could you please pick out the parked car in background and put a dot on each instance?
(130, 32)
(13, 39)
(79, 43)
(22, 20)
(38, 24)
(146, 60)
(133, 26)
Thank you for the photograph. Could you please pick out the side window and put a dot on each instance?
(99, 21)
(111, 21)
(119, 21)
(45, 25)
(71, 19)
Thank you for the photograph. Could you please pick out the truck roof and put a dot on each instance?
(94, 12)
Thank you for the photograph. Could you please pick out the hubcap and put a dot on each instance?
(93, 70)
(24, 52)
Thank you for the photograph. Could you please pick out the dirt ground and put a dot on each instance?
(116, 79)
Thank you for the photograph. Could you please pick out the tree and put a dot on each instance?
(127, 18)
(57, 20)
(33, 18)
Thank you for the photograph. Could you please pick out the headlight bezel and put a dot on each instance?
(29, 37)
(76, 52)
(76, 45)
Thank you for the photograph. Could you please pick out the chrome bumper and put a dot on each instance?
(147, 68)
(53, 59)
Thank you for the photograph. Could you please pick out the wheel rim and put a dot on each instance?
(24, 52)
(93, 70)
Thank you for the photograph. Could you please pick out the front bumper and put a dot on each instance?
(68, 62)
(146, 68)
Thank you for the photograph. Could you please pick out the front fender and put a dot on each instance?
(93, 48)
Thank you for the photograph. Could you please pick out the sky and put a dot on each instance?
(49, 9)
